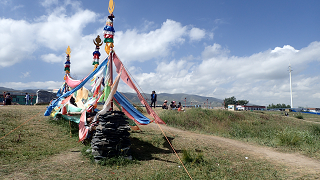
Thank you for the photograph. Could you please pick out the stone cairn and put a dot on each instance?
(111, 137)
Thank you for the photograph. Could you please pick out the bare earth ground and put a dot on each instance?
(297, 165)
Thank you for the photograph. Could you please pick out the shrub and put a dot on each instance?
(316, 129)
(289, 137)
(192, 157)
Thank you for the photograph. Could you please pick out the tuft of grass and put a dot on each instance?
(289, 137)
(192, 157)
(118, 161)
(316, 129)
(299, 116)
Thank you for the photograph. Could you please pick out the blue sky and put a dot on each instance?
(211, 48)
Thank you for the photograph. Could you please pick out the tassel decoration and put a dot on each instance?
(108, 34)
(67, 63)
(96, 54)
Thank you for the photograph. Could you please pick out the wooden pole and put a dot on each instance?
(111, 75)
(70, 128)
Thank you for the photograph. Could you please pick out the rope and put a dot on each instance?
(132, 102)
(20, 125)
(174, 151)
(70, 128)
(144, 94)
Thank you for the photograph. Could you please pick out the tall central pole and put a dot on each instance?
(111, 76)
(108, 39)
(290, 85)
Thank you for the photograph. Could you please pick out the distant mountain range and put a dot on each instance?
(190, 99)
(14, 91)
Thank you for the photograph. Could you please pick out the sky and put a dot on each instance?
(213, 48)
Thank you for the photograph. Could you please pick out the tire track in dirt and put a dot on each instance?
(296, 162)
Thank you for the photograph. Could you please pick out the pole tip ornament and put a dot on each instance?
(68, 51)
(111, 7)
(97, 41)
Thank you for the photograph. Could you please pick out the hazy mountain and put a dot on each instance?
(190, 99)
(133, 98)
(13, 91)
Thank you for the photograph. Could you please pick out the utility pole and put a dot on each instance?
(290, 85)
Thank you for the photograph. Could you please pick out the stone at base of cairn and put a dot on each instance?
(111, 138)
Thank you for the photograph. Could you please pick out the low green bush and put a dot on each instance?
(192, 157)
(289, 137)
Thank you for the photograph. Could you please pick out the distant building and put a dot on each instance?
(231, 107)
(240, 108)
(45, 97)
(41, 97)
(246, 108)
(313, 110)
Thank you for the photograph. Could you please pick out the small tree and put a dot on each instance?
(242, 102)
(230, 100)
(273, 106)
(233, 100)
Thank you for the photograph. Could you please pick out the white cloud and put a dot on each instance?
(213, 51)
(5, 2)
(286, 48)
(196, 34)
(58, 31)
(17, 7)
(17, 41)
(24, 75)
(134, 46)
(55, 31)
(32, 85)
(48, 3)
(51, 58)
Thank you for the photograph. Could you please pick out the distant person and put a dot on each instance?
(180, 107)
(153, 99)
(173, 105)
(4, 98)
(165, 104)
(31, 99)
(27, 98)
(8, 99)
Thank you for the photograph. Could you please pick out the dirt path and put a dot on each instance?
(312, 121)
(295, 162)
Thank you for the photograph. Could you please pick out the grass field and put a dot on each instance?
(42, 148)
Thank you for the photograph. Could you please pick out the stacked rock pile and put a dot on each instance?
(111, 137)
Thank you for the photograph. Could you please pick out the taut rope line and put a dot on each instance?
(20, 125)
